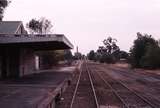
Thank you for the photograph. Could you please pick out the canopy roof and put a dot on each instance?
(36, 41)
(9, 27)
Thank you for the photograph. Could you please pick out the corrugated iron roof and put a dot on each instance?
(6, 39)
(9, 27)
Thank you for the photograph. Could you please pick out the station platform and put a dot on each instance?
(37, 90)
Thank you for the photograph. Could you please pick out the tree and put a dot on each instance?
(140, 47)
(110, 51)
(124, 55)
(34, 26)
(41, 26)
(48, 59)
(45, 25)
(97, 56)
(106, 58)
(151, 59)
(68, 56)
(77, 56)
(110, 45)
(91, 55)
(3, 5)
(51, 58)
(101, 50)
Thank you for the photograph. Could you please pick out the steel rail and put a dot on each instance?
(75, 91)
(144, 98)
(93, 89)
(114, 91)
(141, 97)
(76, 88)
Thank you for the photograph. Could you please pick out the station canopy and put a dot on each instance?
(35, 41)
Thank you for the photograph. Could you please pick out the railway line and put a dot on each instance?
(107, 97)
(92, 87)
(81, 93)
(68, 94)
(129, 98)
(148, 95)
(84, 94)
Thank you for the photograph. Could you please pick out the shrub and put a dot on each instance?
(151, 59)
(107, 58)
(140, 48)
(91, 55)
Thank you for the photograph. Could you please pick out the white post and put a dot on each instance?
(37, 62)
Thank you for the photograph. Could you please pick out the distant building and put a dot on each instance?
(12, 27)
(18, 49)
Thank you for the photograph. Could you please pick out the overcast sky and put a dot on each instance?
(87, 22)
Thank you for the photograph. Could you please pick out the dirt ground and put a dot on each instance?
(127, 66)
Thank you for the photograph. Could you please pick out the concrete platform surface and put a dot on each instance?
(33, 90)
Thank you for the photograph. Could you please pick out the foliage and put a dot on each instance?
(46, 25)
(116, 55)
(77, 56)
(110, 45)
(41, 26)
(68, 55)
(142, 50)
(97, 56)
(109, 53)
(59, 55)
(106, 58)
(151, 59)
(3, 5)
(123, 55)
(34, 26)
(49, 59)
(91, 55)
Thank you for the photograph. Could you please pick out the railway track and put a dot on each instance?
(147, 96)
(68, 94)
(129, 98)
(106, 96)
(84, 94)
(95, 88)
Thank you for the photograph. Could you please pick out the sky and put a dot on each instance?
(86, 23)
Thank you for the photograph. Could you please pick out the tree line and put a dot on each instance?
(108, 53)
(3, 5)
(145, 52)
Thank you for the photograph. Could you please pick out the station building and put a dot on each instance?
(18, 49)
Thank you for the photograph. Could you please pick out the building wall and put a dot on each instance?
(3, 68)
(15, 62)
(9, 63)
(0, 67)
(27, 62)
(21, 30)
